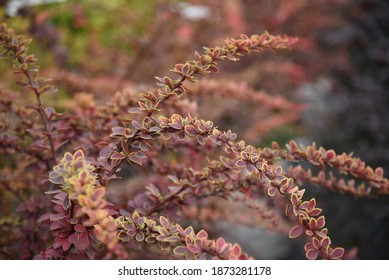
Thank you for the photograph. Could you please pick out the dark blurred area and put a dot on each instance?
(340, 68)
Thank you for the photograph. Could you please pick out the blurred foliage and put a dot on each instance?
(79, 26)
(100, 47)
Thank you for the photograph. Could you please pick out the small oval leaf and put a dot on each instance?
(296, 231)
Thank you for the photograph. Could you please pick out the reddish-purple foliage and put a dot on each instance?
(66, 163)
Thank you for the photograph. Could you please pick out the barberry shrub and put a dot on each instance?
(60, 171)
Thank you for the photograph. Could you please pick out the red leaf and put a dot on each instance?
(320, 222)
(68, 156)
(180, 230)
(309, 233)
(161, 238)
(197, 243)
(78, 154)
(180, 250)
(55, 226)
(181, 135)
(304, 205)
(150, 239)
(190, 130)
(192, 248)
(236, 250)
(135, 110)
(79, 228)
(178, 67)
(315, 212)
(312, 224)
(140, 236)
(312, 204)
(172, 239)
(58, 243)
(311, 254)
(295, 200)
(202, 256)
(337, 253)
(83, 241)
(54, 191)
(293, 146)
(325, 242)
(129, 227)
(164, 222)
(271, 191)
(186, 69)
(133, 157)
(240, 163)
(296, 231)
(292, 190)
(44, 218)
(73, 238)
(163, 232)
(118, 156)
(122, 236)
(322, 233)
(65, 245)
(308, 246)
(202, 234)
(56, 217)
(221, 245)
(200, 140)
(188, 230)
(176, 121)
(164, 120)
(165, 246)
(379, 171)
(330, 154)
(117, 131)
(66, 203)
(136, 124)
(55, 179)
(316, 243)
